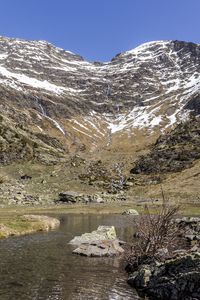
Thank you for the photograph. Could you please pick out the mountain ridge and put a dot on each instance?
(77, 125)
(144, 91)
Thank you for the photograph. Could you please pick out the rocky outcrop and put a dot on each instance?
(189, 228)
(13, 192)
(194, 105)
(170, 274)
(71, 197)
(172, 152)
(74, 197)
(175, 279)
(19, 144)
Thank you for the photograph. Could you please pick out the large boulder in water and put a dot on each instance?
(98, 249)
(102, 233)
(101, 242)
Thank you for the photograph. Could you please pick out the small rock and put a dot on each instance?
(26, 177)
(129, 184)
(131, 211)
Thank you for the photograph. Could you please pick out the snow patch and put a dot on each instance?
(139, 117)
(32, 81)
(3, 56)
(57, 125)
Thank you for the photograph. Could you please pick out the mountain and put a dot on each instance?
(93, 106)
(94, 121)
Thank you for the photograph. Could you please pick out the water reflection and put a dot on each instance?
(42, 267)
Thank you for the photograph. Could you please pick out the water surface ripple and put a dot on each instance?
(42, 267)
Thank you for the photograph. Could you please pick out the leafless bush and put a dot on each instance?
(155, 232)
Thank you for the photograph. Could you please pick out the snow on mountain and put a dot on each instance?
(147, 87)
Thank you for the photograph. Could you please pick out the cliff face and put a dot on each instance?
(90, 107)
(172, 152)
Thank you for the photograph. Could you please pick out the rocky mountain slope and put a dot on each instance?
(82, 126)
(172, 152)
(94, 107)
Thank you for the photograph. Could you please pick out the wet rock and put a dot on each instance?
(102, 233)
(99, 249)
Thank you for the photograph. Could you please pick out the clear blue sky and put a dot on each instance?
(99, 29)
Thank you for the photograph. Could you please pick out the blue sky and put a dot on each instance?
(99, 29)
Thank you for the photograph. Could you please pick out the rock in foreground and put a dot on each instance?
(175, 279)
(98, 249)
(101, 242)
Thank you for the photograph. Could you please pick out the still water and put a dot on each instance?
(42, 267)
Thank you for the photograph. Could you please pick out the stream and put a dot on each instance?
(41, 266)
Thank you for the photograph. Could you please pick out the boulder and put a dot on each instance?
(131, 211)
(26, 177)
(99, 249)
(68, 197)
(101, 242)
(102, 233)
(96, 198)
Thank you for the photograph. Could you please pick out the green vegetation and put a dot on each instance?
(14, 223)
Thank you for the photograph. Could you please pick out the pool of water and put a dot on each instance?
(42, 267)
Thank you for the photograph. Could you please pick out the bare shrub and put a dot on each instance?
(155, 232)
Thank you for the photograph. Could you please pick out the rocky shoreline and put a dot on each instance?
(170, 276)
